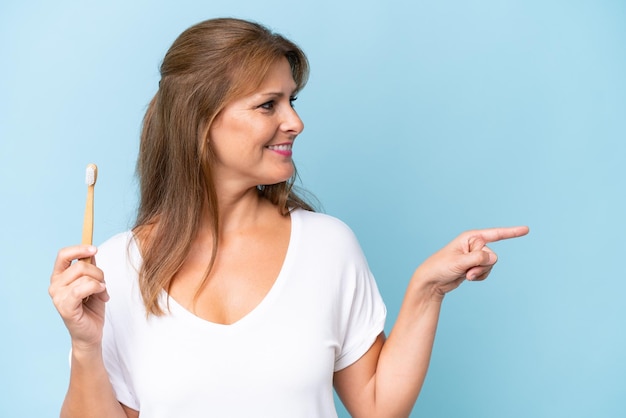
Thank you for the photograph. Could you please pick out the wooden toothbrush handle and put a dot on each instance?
(88, 222)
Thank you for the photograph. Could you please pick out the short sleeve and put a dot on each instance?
(363, 315)
(115, 367)
(113, 259)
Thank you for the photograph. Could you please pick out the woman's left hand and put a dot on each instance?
(467, 257)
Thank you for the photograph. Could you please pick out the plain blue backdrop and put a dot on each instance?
(422, 119)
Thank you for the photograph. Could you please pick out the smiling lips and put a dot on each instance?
(282, 149)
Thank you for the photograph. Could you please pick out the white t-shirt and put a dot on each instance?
(322, 314)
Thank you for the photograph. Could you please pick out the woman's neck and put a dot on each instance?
(237, 212)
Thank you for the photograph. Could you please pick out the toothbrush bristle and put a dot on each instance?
(91, 174)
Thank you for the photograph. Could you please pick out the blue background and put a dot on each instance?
(422, 119)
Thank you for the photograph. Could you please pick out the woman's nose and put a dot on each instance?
(292, 122)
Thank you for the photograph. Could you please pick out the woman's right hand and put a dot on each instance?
(79, 293)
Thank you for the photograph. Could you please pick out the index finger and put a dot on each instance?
(66, 255)
(499, 234)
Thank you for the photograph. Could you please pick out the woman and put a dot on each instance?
(230, 296)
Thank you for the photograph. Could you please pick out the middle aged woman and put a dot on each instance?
(231, 297)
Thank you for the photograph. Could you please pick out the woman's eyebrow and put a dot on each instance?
(271, 93)
(277, 93)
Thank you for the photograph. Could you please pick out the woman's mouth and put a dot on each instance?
(282, 149)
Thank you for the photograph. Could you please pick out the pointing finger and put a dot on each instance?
(483, 236)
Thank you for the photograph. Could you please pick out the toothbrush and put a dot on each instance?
(91, 175)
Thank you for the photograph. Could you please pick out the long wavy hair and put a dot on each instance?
(208, 65)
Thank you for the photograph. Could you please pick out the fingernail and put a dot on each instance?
(92, 249)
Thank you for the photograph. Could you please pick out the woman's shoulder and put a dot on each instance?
(116, 243)
(321, 221)
(118, 250)
(324, 229)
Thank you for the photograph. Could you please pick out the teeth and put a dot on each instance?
(280, 147)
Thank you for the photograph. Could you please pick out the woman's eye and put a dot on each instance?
(268, 105)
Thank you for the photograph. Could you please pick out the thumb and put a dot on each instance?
(482, 257)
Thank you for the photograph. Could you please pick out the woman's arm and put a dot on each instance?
(90, 394)
(386, 381)
(78, 292)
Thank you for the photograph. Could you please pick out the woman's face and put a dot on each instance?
(252, 137)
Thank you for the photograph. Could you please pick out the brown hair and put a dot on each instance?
(207, 66)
